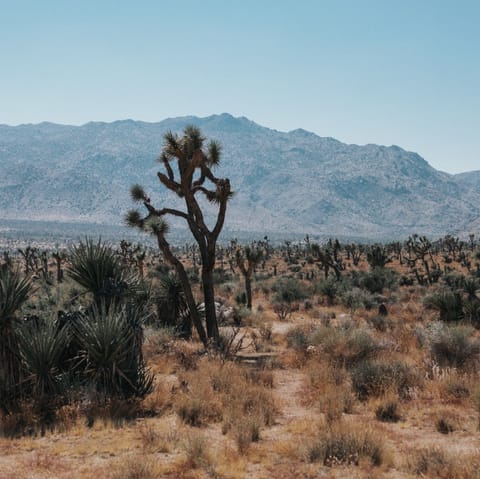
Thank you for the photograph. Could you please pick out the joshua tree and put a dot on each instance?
(252, 256)
(194, 169)
(60, 257)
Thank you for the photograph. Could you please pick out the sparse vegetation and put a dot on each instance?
(329, 345)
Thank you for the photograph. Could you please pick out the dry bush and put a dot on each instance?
(454, 346)
(343, 345)
(158, 401)
(196, 451)
(225, 391)
(387, 410)
(163, 438)
(158, 341)
(446, 420)
(328, 388)
(134, 468)
(346, 444)
(454, 387)
(47, 462)
(115, 412)
(374, 378)
(66, 417)
(22, 422)
(260, 376)
(433, 462)
(475, 398)
(262, 337)
(245, 431)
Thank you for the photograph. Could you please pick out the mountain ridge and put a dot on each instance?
(285, 181)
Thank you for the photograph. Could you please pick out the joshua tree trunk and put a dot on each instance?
(253, 257)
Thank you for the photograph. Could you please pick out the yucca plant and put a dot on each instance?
(14, 291)
(447, 303)
(172, 308)
(100, 271)
(111, 352)
(471, 286)
(41, 348)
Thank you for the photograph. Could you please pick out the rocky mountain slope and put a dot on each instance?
(295, 182)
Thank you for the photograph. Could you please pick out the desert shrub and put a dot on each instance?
(447, 303)
(328, 388)
(388, 411)
(456, 388)
(246, 431)
(381, 323)
(357, 298)
(300, 337)
(345, 445)
(444, 425)
(471, 312)
(374, 378)
(224, 392)
(454, 346)
(376, 280)
(346, 347)
(134, 469)
(435, 463)
(328, 288)
(198, 405)
(221, 276)
(429, 461)
(241, 298)
(454, 280)
(196, 450)
(19, 423)
(284, 310)
(289, 291)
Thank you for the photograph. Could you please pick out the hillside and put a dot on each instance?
(295, 182)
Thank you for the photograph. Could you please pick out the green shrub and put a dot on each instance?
(346, 347)
(447, 303)
(289, 291)
(374, 378)
(454, 346)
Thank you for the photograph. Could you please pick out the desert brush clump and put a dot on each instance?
(345, 444)
(388, 411)
(374, 378)
(455, 346)
(434, 462)
(225, 392)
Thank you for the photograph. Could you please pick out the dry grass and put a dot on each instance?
(434, 462)
(345, 444)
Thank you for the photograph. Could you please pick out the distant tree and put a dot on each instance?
(60, 256)
(377, 256)
(195, 163)
(247, 259)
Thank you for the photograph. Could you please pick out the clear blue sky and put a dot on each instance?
(403, 72)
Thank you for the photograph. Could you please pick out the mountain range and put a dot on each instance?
(285, 182)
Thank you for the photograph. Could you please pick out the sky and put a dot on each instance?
(362, 71)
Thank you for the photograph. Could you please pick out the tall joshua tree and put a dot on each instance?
(194, 164)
